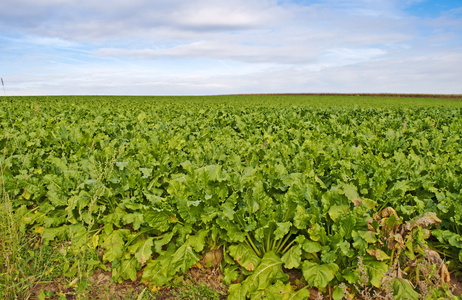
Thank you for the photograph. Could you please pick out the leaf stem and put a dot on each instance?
(251, 244)
(282, 243)
(275, 244)
(288, 246)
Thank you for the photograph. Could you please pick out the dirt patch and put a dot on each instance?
(53, 290)
(456, 284)
(99, 286)
(211, 277)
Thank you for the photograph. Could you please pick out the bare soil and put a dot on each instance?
(100, 286)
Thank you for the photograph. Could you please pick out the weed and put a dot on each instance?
(24, 261)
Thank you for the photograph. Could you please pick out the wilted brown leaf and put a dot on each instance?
(388, 212)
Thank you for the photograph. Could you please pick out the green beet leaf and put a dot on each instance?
(159, 220)
(268, 272)
(336, 211)
(402, 290)
(245, 256)
(301, 294)
(277, 291)
(231, 273)
(292, 258)
(114, 244)
(376, 270)
(318, 275)
(378, 254)
(166, 238)
(57, 198)
(232, 230)
(238, 292)
(197, 241)
(159, 271)
(317, 233)
(301, 218)
(184, 258)
(311, 247)
(281, 291)
(337, 294)
(135, 218)
(281, 230)
(351, 192)
(142, 250)
(50, 234)
(128, 268)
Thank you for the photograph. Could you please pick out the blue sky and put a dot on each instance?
(202, 47)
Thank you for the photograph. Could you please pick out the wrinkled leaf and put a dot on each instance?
(292, 258)
(268, 271)
(318, 275)
(184, 258)
(376, 271)
(114, 244)
(245, 256)
(402, 290)
(281, 230)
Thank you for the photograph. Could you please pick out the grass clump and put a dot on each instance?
(24, 261)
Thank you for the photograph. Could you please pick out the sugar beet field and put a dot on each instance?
(237, 197)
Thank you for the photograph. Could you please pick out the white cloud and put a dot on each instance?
(223, 50)
(421, 74)
(101, 20)
(207, 47)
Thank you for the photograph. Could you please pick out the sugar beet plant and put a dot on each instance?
(253, 189)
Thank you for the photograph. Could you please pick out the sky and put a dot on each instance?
(206, 47)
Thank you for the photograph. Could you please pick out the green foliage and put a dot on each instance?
(404, 290)
(276, 182)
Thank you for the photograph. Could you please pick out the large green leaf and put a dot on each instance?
(164, 240)
(142, 250)
(293, 257)
(281, 291)
(301, 218)
(277, 291)
(154, 274)
(317, 233)
(281, 230)
(57, 198)
(128, 268)
(238, 291)
(402, 290)
(318, 275)
(135, 218)
(50, 234)
(184, 258)
(159, 220)
(198, 240)
(336, 211)
(311, 247)
(351, 192)
(376, 270)
(268, 272)
(301, 294)
(114, 244)
(233, 232)
(159, 271)
(245, 256)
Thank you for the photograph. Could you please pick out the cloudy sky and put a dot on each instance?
(200, 47)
